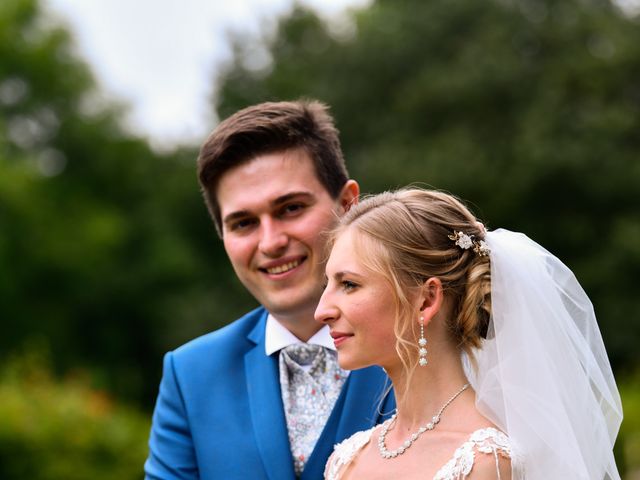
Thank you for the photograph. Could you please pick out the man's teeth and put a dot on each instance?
(283, 268)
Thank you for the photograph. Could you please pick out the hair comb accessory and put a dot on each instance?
(465, 242)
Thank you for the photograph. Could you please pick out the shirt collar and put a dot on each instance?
(277, 337)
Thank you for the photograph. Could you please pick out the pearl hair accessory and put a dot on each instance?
(382, 448)
(465, 242)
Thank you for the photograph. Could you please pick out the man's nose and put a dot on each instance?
(273, 239)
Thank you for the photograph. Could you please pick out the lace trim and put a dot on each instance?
(345, 451)
(486, 440)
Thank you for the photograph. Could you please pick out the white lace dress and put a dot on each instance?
(486, 441)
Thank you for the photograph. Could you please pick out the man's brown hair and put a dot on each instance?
(266, 128)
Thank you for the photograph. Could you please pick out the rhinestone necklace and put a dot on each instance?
(382, 448)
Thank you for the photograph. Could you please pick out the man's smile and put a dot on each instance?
(280, 267)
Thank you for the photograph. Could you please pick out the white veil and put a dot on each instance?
(543, 374)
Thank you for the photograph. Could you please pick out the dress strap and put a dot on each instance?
(487, 441)
(344, 453)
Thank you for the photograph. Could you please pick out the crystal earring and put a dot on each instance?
(422, 343)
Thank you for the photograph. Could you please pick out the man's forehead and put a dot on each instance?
(266, 181)
(288, 159)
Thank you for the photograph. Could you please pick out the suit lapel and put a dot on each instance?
(363, 407)
(265, 405)
(356, 409)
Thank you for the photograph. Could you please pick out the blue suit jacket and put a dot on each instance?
(219, 412)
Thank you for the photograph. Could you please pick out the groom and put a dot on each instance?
(263, 397)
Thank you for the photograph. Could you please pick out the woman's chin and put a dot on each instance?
(351, 363)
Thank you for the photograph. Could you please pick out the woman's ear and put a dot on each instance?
(432, 297)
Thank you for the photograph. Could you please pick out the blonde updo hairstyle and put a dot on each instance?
(403, 235)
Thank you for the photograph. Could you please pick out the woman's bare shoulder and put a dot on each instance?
(491, 467)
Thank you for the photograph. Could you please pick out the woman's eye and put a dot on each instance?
(348, 286)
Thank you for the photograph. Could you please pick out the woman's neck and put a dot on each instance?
(421, 396)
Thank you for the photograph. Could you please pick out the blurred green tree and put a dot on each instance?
(51, 430)
(529, 109)
(106, 249)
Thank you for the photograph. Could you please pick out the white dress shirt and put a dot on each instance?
(277, 336)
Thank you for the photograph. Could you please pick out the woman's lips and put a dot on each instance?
(340, 337)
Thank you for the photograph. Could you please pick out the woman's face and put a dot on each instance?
(359, 307)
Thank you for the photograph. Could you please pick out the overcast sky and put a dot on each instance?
(161, 56)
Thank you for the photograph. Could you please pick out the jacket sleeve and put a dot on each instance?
(171, 451)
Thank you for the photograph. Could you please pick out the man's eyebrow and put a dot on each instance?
(290, 196)
(236, 215)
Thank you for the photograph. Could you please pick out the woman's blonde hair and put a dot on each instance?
(404, 235)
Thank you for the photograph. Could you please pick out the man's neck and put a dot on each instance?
(302, 326)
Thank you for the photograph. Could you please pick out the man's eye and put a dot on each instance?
(242, 224)
(292, 208)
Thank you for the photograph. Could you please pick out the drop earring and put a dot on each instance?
(422, 343)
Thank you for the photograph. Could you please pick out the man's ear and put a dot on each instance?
(349, 195)
(432, 297)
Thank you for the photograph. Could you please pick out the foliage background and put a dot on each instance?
(528, 109)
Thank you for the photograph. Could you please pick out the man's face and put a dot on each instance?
(275, 214)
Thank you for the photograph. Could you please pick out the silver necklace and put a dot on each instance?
(384, 453)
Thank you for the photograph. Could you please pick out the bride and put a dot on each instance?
(492, 347)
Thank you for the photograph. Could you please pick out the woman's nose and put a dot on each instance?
(325, 312)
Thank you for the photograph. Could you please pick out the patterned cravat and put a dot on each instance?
(310, 379)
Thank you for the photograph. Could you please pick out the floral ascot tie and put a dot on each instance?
(310, 380)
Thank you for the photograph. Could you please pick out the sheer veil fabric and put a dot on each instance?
(542, 374)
